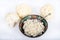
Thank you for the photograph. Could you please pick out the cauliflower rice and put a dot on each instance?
(33, 27)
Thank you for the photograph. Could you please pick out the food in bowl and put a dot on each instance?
(33, 27)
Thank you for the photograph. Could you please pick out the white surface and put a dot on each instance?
(10, 33)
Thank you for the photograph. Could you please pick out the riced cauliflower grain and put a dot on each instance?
(33, 27)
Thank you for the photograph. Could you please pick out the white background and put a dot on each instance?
(13, 33)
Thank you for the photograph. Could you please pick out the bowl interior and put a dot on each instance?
(33, 17)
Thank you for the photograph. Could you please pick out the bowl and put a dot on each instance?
(21, 23)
